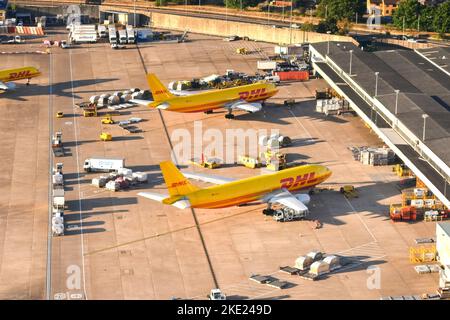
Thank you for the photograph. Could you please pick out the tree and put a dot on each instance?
(441, 21)
(238, 3)
(426, 18)
(407, 11)
(329, 24)
(340, 9)
(308, 27)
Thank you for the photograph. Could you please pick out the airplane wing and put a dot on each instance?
(180, 204)
(246, 106)
(287, 199)
(207, 178)
(141, 102)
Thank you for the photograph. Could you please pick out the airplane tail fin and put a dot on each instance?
(177, 184)
(159, 91)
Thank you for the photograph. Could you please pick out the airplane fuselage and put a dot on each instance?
(254, 188)
(215, 99)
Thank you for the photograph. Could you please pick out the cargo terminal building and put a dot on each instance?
(403, 95)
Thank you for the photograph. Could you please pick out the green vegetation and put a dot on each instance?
(341, 9)
(428, 18)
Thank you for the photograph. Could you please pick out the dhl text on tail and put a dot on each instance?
(17, 74)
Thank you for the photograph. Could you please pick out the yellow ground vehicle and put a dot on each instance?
(275, 160)
(349, 191)
(105, 136)
(210, 163)
(60, 114)
(90, 112)
(241, 51)
(107, 120)
(401, 170)
(250, 162)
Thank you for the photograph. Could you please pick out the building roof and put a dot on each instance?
(439, 56)
(445, 226)
(424, 88)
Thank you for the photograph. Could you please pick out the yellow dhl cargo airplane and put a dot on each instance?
(274, 188)
(17, 74)
(248, 98)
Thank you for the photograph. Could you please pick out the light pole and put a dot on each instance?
(268, 13)
(328, 43)
(350, 69)
(403, 32)
(376, 83)
(424, 116)
(396, 100)
(326, 12)
(134, 16)
(290, 26)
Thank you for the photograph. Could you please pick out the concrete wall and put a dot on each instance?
(227, 28)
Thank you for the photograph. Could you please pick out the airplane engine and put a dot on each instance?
(303, 197)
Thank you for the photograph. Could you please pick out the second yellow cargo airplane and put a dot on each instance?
(270, 188)
(17, 74)
(248, 98)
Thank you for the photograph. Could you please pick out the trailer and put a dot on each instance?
(266, 65)
(98, 164)
(83, 37)
(57, 146)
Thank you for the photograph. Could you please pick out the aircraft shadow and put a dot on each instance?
(62, 89)
(329, 205)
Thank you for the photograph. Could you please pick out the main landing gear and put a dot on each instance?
(269, 211)
(208, 111)
(28, 81)
(229, 115)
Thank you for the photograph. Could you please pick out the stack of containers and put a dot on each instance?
(121, 180)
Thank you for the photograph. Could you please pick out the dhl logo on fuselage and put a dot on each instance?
(290, 182)
(178, 184)
(252, 94)
(161, 92)
(19, 75)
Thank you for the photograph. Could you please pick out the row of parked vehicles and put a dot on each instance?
(90, 33)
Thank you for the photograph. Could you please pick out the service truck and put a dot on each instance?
(102, 31)
(130, 34)
(112, 35)
(123, 36)
(98, 164)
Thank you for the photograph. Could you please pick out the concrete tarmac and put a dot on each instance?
(121, 246)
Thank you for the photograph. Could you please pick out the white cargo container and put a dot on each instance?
(82, 37)
(103, 164)
(266, 65)
(58, 179)
(58, 229)
(112, 186)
